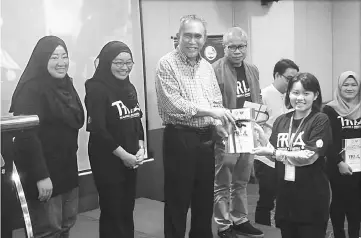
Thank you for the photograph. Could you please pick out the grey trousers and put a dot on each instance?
(54, 218)
(232, 174)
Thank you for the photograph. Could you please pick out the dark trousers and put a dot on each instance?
(116, 201)
(267, 192)
(188, 182)
(345, 203)
(302, 230)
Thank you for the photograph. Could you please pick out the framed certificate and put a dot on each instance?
(352, 153)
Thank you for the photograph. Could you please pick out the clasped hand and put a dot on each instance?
(133, 161)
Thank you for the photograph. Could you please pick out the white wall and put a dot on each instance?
(273, 38)
(298, 30)
(271, 34)
(313, 41)
(346, 20)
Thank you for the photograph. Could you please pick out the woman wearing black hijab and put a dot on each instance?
(116, 142)
(48, 159)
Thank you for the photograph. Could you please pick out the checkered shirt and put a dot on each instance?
(182, 89)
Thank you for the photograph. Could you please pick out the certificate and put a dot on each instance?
(241, 138)
(352, 148)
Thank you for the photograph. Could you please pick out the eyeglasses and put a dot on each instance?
(288, 78)
(233, 48)
(121, 64)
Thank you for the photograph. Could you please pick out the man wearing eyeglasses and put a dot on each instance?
(239, 82)
(273, 97)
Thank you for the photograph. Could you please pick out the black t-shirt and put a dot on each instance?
(111, 124)
(243, 90)
(342, 128)
(307, 198)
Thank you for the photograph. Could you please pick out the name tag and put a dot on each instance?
(290, 172)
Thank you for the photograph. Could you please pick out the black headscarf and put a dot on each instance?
(124, 88)
(60, 94)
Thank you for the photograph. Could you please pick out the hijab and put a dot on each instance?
(341, 106)
(124, 89)
(60, 94)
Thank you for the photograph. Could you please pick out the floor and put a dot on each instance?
(148, 218)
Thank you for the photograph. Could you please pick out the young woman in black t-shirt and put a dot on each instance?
(116, 141)
(298, 143)
(344, 113)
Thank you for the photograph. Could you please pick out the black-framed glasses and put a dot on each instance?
(233, 48)
(288, 78)
(120, 64)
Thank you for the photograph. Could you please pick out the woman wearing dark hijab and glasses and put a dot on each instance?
(116, 142)
(48, 159)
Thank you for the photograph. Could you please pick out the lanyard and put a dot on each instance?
(291, 140)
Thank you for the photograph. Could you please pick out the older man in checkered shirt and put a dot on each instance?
(190, 105)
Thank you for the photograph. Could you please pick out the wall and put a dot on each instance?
(346, 38)
(298, 30)
(271, 34)
(313, 41)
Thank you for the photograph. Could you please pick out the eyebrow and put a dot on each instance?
(59, 53)
(195, 34)
(120, 60)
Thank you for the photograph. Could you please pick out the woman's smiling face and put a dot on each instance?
(58, 63)
(349, 89)
(301, 99)
(122, 65)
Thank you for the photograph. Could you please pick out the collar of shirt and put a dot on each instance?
(185, 59)
(282, 95)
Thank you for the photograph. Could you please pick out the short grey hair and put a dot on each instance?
(187, 18)
(234, 32)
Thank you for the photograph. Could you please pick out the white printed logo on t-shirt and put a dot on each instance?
(242, 90)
